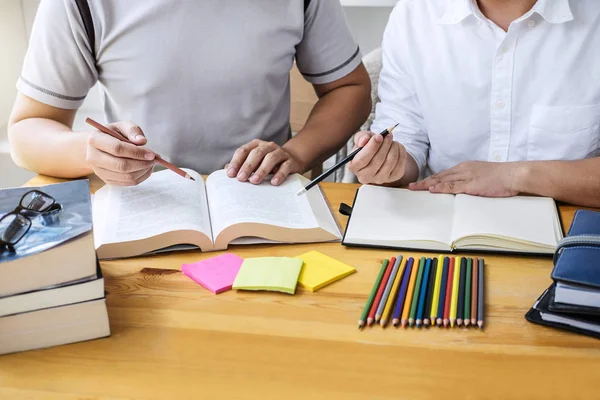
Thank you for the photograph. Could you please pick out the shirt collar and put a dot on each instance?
(456, 11)
(553, 11)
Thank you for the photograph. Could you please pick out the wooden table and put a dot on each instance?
(171, 339)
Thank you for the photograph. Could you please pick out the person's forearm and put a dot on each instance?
(574, 182)
(48, 147)
(332, 122)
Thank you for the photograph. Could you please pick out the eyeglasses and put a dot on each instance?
(15, 225)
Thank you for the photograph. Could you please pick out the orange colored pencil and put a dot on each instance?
(158, 159)
(449, 292)
(409, 296)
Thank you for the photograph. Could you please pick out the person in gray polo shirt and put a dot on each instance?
(205, 84)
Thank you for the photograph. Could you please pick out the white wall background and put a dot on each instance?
(366, 18)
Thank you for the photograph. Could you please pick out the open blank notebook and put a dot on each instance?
(400, 218)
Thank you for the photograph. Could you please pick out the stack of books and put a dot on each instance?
(572, 302)
(51, 286)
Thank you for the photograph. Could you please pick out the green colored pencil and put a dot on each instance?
(415, 299)
(363, 316)
(469, 277)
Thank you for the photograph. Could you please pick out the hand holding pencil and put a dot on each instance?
(116, 156)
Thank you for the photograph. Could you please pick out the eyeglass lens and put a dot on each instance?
(13, 227)
(37, 201)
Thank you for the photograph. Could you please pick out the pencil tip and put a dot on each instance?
(480, 324)
(473, 321)
(192, 178)
(301, 192)
(390, 130)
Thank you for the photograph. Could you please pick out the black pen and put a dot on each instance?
(348, 158)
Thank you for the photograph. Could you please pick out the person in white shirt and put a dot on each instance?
(492, 97)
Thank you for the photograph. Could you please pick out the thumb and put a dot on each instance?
(362, 138)
(131, 131)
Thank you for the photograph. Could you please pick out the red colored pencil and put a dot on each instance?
(449, 293)
(388, 272)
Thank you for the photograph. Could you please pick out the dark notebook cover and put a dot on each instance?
(579, 264)
(535, 316)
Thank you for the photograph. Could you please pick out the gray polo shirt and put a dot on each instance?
(201, 77)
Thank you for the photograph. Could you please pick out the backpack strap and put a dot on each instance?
(306, 4)
(88, 23)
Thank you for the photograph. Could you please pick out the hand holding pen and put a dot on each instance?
(368, 158)
(116, 156)
(381, 160)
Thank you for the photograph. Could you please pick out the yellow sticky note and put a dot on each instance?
(320, 270)
(278, 274)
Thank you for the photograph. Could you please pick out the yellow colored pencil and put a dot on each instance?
(389, 306)
(409, 295)
(436, 289)
(455, 281)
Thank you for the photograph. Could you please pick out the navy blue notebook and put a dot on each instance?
(577, 265)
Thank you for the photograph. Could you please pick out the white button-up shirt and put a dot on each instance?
(462, 88)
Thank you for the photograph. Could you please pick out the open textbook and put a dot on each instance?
(401, 218)
(166, 211)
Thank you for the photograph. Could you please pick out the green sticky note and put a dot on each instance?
(279, 274)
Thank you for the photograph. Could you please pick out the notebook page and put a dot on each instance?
(233, 202)
(525, 218)
(165, 202)
(394, 215)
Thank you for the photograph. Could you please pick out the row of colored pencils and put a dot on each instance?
(438, 291)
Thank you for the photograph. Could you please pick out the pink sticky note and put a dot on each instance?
(215, 274)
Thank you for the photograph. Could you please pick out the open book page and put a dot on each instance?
(320, 208)
(233, 202)
(165, 202)
(523, 219)
(393, 217)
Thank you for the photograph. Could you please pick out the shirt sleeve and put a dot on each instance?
(399, 103)
(327, 51)
(59, 67)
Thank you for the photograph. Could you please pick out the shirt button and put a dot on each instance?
(500, 104)
(504, 49)
(531, 23)
(497, 156)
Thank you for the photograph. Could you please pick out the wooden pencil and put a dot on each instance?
(480, 296)
(455, 284)
(423, 293)
(158, 159)
(460, 304)
(389, 306)
(380, 287)
(449, 286)
(363, 317)
(403, 289)
(474, 285)
(468, 278)
(442, 292)
(387, 289)
(415, 300)
(439, 269)
(430, 289)
(409, 295)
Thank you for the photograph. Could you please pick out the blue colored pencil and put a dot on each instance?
(460, 310)
(423, 293)
(442, 303)
(402, 294)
